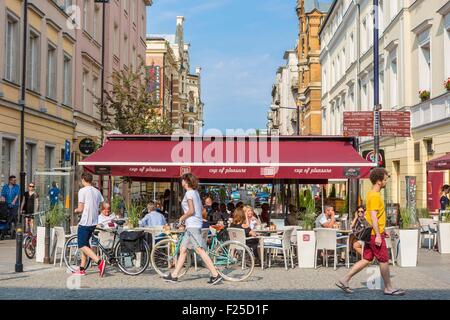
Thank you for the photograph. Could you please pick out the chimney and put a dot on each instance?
(180, 20)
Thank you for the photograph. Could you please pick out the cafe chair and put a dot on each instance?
(59, 240)
(284, 245)
(327, 240)
(427, 231)
(238, 234)
(390, 231)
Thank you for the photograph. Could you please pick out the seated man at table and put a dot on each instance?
(153, 218)
(105, 218)
(326, 219)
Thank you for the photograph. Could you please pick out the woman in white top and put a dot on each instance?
(252, 218)
(192, 208)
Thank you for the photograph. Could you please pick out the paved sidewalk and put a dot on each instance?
(429, 280)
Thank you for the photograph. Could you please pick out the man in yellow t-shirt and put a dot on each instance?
(376, 247)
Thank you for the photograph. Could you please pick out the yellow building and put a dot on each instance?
(49, 99)
(310, 14)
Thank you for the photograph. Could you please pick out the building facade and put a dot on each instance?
(50, 92)
(180, 90)
(283, 117)
(414, 44)
(310, 13)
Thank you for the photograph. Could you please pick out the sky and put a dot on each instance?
(239, 44)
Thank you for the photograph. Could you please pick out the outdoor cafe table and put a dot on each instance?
(261, 238)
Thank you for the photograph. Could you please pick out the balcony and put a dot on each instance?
(431, 111)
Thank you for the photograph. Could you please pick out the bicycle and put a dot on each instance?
(129, 262)
(233, 260)
(30, 239)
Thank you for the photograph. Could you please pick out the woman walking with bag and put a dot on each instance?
(193, 240)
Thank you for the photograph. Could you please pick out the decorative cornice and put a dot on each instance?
(445, 9)
(53, 24)
(36, 10)
(391, 45)
(425, 25)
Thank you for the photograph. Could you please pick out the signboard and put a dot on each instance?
(370, 155)
(87, 146)
(154, 82)
(395, 123)
(102, 170)
(67, 151)
(358, 124)
(352, 172)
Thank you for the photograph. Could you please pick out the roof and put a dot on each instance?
(230, 158)
(168, 37)
(322, 6)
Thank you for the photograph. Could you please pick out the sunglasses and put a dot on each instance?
(31, 186)
(361, 211)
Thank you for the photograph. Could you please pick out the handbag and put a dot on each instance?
(363, 231)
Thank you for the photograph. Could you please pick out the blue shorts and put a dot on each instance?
(84, 235)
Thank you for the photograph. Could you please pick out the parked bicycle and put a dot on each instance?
(130, 261)
(30, 239)
(233, 260)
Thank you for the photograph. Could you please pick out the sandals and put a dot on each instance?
(344, 288)
(398, 292)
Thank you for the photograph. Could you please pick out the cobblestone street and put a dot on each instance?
(429, 280)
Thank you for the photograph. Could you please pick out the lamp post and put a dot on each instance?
(376, 79)
(19, 234)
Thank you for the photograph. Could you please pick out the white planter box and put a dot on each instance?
(408, 247)
(306, 246)
(40, 243)
(444, 237)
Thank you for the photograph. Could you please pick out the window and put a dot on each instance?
(417, 151)
(191, 126)
(33, 68)
(30, 160)
(429, 146)
(425, 61)
(364, 98)
(333, 75)
(7, 159)
(324, 82)
(12, 49)
(343, 68)
(447, 46)
(84, 88)
(67, 84)
(352, 49)
(364, 40)
(51, 71)
(96, 20)
(95, 95)
(49, 157)
(324, 122)
(85, 14)
(393, 79)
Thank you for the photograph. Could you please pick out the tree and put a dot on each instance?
(132, 105)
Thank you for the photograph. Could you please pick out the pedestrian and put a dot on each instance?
(192, 239)
(11, 192)
(376, 247)
(445, 201)
(89, 201)
(30, 204)
(54, 194)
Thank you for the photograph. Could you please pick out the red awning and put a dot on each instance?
(243, 159)
(442, 163)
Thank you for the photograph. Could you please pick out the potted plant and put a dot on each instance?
(133, 214)
(407, 245)
(447, 84)
(306, 239)
(54, 217)
(424, 95)
(444, 233)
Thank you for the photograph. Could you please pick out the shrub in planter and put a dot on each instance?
(134, 215)
(424, 95)
(306, 240)
(408, 238)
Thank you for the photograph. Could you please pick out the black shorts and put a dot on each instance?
(84, 234)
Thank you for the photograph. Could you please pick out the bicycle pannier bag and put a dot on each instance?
(131, 241)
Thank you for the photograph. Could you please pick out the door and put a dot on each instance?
(435, 180)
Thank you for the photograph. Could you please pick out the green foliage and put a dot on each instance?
(115, 204)
(408, 218)
(56, 216)
(309, 215)
(423, 213)
(222, 195)
(134, 214)
(130, 107)
(447, 216)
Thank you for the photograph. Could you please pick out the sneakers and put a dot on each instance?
(101, 267)
(169, 278)
(79, 273)
(215, 280)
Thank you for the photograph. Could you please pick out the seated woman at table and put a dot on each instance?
(357, 225)
(240, 221)
(251, 218)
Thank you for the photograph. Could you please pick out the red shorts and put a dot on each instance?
(372, 251)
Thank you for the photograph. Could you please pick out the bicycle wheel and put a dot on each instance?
(132, 263)
(72, 254)
(233, 260)
(29, 248)
(164, 259)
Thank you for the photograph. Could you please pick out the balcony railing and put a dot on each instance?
(431, 111)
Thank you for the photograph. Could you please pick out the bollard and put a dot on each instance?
(19, 241)
(47, 243)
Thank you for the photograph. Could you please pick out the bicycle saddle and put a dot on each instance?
(119, 222)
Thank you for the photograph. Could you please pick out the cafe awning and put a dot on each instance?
(228, 159)
(441, 163)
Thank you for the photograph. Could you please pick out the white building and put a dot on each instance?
(414, 56)
(283, 115)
